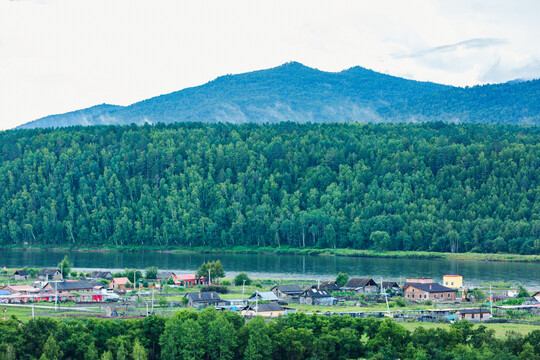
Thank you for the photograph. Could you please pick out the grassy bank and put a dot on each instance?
(284, 250)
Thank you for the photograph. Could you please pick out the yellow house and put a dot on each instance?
(453, 281)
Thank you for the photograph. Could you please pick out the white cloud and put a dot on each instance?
(62, 55)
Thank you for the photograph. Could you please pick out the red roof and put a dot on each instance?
(190, 277)
(121, 280)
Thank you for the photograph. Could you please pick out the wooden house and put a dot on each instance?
(62, 287)
(431, 291)
(314, 296)
(101, 275)
(21, 275)
(50, 274)
(362, 286)
(287, 291)
(203, 299)
(120, 283)
(474, 314)
(266, 310)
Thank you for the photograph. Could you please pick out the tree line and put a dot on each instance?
(430, 187)
(213, 335)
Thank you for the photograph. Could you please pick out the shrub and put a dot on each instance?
(240, 278)
(226, 283)
(428, 302)
(73, 274)
(401, 302)
(258, 285)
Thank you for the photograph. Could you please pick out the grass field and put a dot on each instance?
(310, 251)
(501, 330)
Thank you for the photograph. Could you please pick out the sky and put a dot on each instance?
(63, 55)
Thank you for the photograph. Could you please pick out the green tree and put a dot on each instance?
(65, 266)
(222, 339)
(151, 272)
(215, 268)
(522, 292)
(139, 352)
(240, 278)
(51, 350)
(107, 355)
(91, 352)
(259, 345)
(342, 279)
(121, 353)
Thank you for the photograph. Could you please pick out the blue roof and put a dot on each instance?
(4, 292)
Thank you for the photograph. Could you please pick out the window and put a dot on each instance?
(472, 316)
(452, 283)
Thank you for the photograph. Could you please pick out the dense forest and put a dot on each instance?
(211, 335)
(432, 186)
(297, 93)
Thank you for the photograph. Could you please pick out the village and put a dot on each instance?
(55, 292)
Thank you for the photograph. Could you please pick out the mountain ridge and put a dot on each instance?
(298, 93)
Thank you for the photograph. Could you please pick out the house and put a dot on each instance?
(453, 281)
(20, 289)
(392, 285)
(203, 299)
(186, 280)
(69, 286)
(265, 310)
(120, 283)
(101, 275)
(50, 274)
(290, 291)
(165, 275)
(362, 285)
(328, 285)
(474, 314)
(313, 296)
(419, 281)
(432, 291)
(21, 275)
(263, 296)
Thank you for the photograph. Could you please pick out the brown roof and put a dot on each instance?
(360, 283)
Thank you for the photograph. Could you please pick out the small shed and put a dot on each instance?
(203, 299)
(50, 274)
(474, 314)
(21, 275)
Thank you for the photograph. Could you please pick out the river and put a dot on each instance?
(287, 266)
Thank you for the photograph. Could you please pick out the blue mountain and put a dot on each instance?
(294, 92)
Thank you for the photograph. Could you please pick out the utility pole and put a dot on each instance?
(152, 301)
(33, 317)
(243, 289)
(256, 305)
(56, 296)
(208, 276)
(490, 300)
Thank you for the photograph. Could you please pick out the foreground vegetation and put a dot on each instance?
(428, 187)
(226, 335)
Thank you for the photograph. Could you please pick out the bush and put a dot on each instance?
(401, 302)
(226, 283)
(240, 278)
(258, 285)
(428, 302)
(217, 288)
(73, 274)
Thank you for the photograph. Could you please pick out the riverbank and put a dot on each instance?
(299, 251)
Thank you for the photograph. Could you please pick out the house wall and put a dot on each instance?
(419, 295)
(454, 282)
(21, 277)
(262, 313)
(475, 317)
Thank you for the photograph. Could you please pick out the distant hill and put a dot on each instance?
(94, 115)
(294, 92)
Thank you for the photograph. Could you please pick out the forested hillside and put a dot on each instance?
(294, 92)
(386, 187)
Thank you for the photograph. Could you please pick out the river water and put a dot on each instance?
(288, 266)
